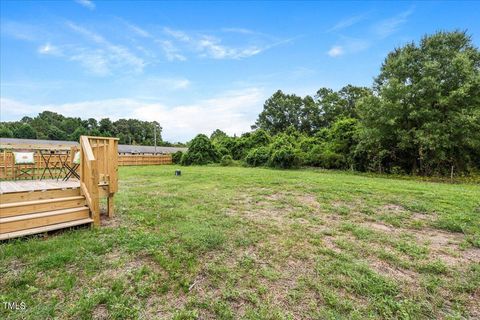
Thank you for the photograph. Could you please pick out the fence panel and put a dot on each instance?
(144, 159)
(7, 167)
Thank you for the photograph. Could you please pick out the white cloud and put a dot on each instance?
(389, 26)
(232, 111)
(335, 51)
(172, 53)
(212, 47)
(239, 30)
(177, 34)
(13, 109)
(22, 31)
(86, 3)
(49, 49)
(165, 83)
(95, 62)
(378, 31)
(139, 31)
(107, 56)
(347, 22)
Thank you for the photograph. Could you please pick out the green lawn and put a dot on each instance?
(231, 242)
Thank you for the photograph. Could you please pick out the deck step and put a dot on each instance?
(35, 220)
(22, 196)
(27, 232)
(42, 205)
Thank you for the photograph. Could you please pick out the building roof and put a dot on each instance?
(12, 143)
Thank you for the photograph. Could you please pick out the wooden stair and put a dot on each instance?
(26, 213)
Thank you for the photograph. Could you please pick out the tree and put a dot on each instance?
(282, 110)
(55, 133)
(424, 116)
(25, 131)
(5, 132)
(334, 105)
(106, 127)
(218, 135)
(80, 131)
(200, 151)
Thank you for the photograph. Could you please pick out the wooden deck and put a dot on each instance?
(37, 206)
(37, 185)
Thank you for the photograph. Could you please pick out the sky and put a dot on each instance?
(198, 66)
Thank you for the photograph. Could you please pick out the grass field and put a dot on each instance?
(231, 242)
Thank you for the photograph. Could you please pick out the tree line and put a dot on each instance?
(421, 116)
(53, 126)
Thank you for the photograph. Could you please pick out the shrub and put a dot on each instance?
(222, 151)
(258, 138)
(200, 151)
(332, 160)
(226, 160)
(258, 157)
(282, 140)
(284, 158)
(314, 156)
(177, 157)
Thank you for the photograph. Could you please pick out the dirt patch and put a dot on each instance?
(378, 226)
(100, 312)
(442, 245)
(473, 306)
(422, 217)
(267, 209)
(439, 240)
(15, 267)
(393, 208)
(110, 222)
(309, 200)
(399, 275)
(446, 247)
(329, 242)
(121, 265)
(164, 306)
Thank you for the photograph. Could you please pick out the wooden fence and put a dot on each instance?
(7, 168)
(144, 159)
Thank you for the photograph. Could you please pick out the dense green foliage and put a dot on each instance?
(200, 151)
(227, 160)
(258, 156)
(53, 126)
(422, 116)
(177, 157)
(425, 114)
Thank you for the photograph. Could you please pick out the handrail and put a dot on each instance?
(89, 178)
(98, 172)
(87, 148)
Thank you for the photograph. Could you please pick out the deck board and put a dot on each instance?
(37, 185)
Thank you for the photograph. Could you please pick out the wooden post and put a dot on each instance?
(110, 205)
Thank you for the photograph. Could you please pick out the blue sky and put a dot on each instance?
(198, 66)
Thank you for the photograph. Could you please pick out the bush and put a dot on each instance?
(284, 158)
(200, 151)
(226, 160)
(258, 157)
(314, 156)
(177, 157)
(332, 160)
(222, 151)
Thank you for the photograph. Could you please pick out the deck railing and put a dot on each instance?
(98, 172)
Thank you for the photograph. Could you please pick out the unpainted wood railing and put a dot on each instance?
(98, 172)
